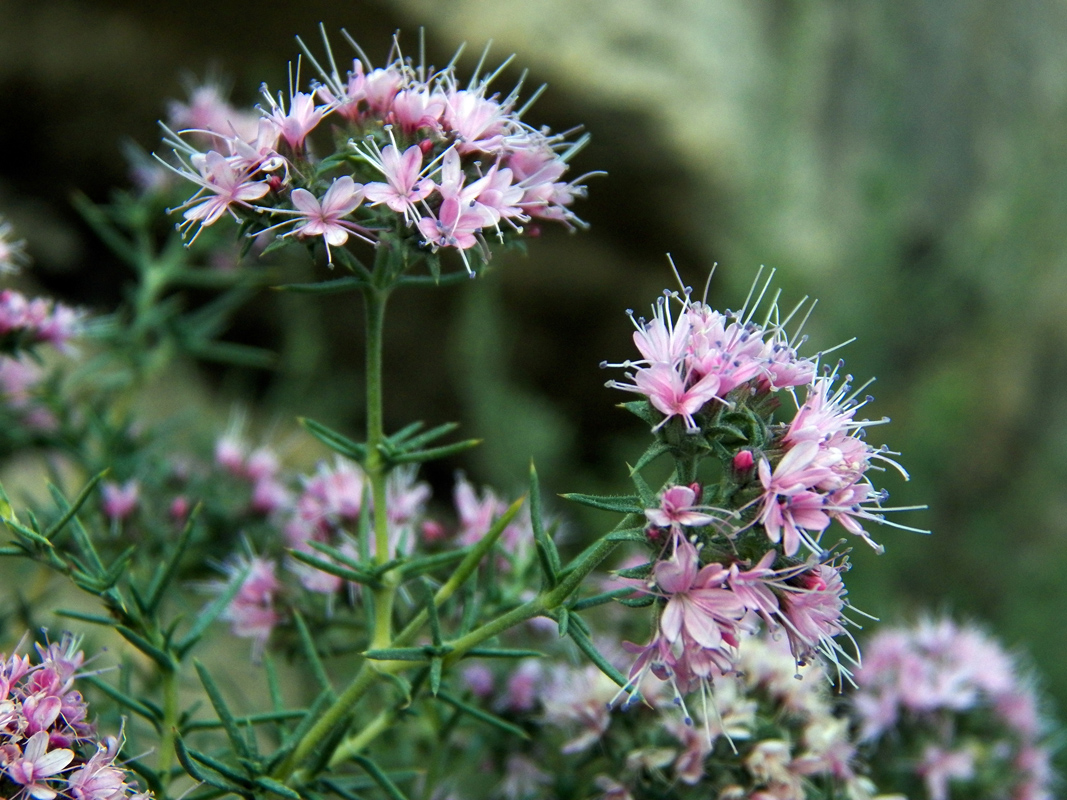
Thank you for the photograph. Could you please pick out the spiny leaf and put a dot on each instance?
(334, 569)
(430, 435)
(222, 710)
(163, 576)
(623, 504)
(125, 700)
(424, 564)
(196, 773)
(311, 654)
(483, 716)
(380, 777)
(335, 441)
(601, 598)
(350, 283)
(547, 554)
(432, 453)
(594, 655)
(654, 451)
(159, 656)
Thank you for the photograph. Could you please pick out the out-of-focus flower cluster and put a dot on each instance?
(738, 536)
(403, 151)
(48, 746)
(25, 325)
(765, 735)
(946, 712)
(329, 507)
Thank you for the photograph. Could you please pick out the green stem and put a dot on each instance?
(376, 468)
(543, 602)
(331, 718)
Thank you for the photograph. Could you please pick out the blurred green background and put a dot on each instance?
(905, 162)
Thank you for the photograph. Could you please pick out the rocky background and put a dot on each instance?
(904, 162)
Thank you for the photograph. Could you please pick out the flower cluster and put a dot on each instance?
(48, 748)
(748, 547)
(414, 154)
(767, 736)
(25, 322)
(950, 702)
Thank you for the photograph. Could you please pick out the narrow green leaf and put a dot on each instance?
(424, 595)
(435, 675)
(277, 788)
(624, 504)
(628, 535)
(212, 612)
(273, 686)
(430, 435)
(563, 620)
(547, 554)
(125, 700)
(251, 719)
(166, 571)
(222, 710)
(405, 433)
(433, 453)
(654, 451)
(643, 410)
(163, 659)
(601, 598)
(380, 777)
(242, 355)
(198, 774)
(311, 654)
(334, 440)
(347, 284)
(645, 496)
(594, 655)
(95, 619)
(221, 767)
(640, 572)
(501, 652)
(481, 715)
(397, 654)
(334, 569)
(14, 550)
(638, 602)
(435, 278)
(424, 564)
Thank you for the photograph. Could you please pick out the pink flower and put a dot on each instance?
(326, 219)
(695, 602)
(940, 766)
(404, 186)
(230, 187)
(251, 613)
(120, 501)
(456, 225)
(476, 514)
(813, 614)
(301, 118)
(678, 508)
(36, 762)
(789, 506)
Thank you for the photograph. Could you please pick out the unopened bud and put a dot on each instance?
(743, 461)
